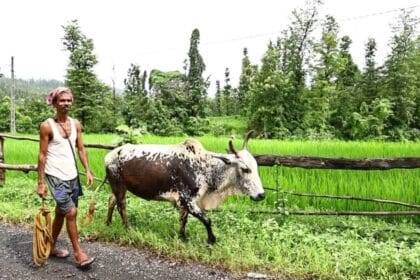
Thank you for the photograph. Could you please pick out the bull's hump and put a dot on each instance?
(150, 152)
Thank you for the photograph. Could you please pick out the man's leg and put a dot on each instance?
(71, 224)
(56, 229)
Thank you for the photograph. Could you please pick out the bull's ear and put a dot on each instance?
(224, 159)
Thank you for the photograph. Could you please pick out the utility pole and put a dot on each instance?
(114, 107)
(12, 100)
(113, 82)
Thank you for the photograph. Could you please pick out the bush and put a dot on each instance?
(130, 135)
(196, 126)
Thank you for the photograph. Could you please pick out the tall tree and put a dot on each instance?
(344, 102)
(167, 91)
(196, 85)
(295, 47)
(323, 91)
(218, 100)
(401, 77)
(416, 65)
(245, 80)
(135, 97)
(90, 93)
(348, 73)
(269, 92)
(227, 94)
(370, 79)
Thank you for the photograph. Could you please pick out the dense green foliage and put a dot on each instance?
(93, 103)
(339, 101)
(31, 108)
(307, 86)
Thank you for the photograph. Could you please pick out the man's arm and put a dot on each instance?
(44, 134)
(83, 154)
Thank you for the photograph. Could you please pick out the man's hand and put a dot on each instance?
(89, 178)
(42, 190)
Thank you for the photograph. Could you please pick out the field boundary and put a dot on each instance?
(293, 161)
(287, 161)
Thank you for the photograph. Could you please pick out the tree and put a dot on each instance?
(401, 78)
(370, 79)
(196, 85)
(276, 105)
(135, 97)
(344, 102)
(269, 93)
(167, 91)
(89, 92)
(218, 100)
(245, 80)
(295, 49)
(227, 93)
(320, 97)
(416, 65)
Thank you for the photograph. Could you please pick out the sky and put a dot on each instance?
(155, 34)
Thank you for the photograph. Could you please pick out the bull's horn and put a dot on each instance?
(247, 137)
(232, 149)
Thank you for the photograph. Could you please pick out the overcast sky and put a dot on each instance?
(155, 34)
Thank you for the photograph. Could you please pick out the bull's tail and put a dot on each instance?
(102, 183)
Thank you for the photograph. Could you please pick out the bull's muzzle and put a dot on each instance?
(259, 197)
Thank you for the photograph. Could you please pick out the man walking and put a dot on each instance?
(57, 167)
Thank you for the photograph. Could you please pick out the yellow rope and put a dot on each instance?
(42, 238)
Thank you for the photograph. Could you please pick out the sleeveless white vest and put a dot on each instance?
(60, 162)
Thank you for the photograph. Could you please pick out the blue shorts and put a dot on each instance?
(65, 193)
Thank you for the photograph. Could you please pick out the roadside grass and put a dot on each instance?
(298, 247)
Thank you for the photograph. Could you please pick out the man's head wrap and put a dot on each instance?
(52, 96)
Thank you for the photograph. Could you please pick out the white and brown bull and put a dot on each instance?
(186, 174)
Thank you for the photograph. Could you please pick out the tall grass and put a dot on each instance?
(402, 185)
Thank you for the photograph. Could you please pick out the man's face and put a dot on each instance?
(63, 102)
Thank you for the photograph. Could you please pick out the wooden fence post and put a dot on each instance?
(2, 171)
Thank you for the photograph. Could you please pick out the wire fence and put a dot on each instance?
(276, 161)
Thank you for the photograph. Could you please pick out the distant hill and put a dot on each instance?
(28, 88)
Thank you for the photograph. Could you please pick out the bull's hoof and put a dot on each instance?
(211, 240)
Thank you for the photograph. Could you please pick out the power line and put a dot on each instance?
(278, 31)
(380, 13)
(258, 35)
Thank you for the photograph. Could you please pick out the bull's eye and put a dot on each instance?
(246, 170)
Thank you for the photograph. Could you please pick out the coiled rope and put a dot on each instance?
(42, 238)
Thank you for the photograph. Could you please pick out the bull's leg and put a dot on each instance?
(121, 205)
(194, 210)
(111, 205)
(183, 218)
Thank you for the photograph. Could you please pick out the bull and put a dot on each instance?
(186, 174)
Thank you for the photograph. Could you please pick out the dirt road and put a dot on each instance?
(112, 262)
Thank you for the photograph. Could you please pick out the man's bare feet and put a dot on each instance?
(59, 253)
(83, 260)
